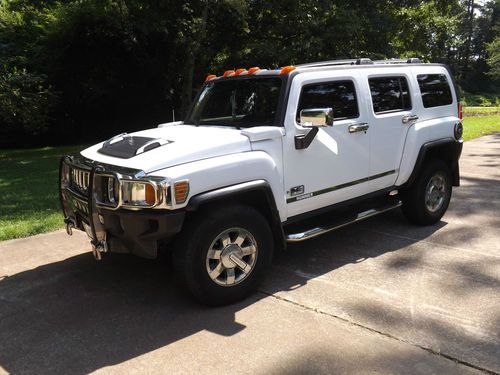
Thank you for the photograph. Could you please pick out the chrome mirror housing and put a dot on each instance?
(316, 117)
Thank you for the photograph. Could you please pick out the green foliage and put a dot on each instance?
(88, 69)
(26, 102)
(493, 49)
(480, 100)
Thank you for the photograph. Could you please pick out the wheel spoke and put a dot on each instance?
(225, 240)
(239, 240)
(214, 254)
(215, 273)
(248, 250)
(230, 276)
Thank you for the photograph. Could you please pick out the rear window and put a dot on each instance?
(339, 95)
(435, 90)
(389, 94)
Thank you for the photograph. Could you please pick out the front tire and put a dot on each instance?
(427, 200)
(223, 254)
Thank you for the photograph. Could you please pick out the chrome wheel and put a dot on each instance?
(231, 257)
(435, 192)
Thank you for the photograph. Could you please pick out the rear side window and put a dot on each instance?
(435, 90)
(390, 94)
(339, 95)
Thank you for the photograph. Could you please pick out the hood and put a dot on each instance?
(185, 143)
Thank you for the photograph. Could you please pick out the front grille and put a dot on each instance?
(80, 180)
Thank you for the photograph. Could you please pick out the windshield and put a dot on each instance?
(242, 103)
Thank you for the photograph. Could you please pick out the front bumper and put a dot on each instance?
(138, 231)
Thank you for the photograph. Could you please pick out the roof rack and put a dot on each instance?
(362, 61)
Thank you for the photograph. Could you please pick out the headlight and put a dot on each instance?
(138, 193)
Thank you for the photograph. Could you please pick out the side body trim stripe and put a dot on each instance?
(338, 187)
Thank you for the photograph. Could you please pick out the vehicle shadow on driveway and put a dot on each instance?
(77, 316)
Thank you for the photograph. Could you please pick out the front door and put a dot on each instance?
(336, 164)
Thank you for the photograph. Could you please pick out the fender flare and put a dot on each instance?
(426, 149)
(238, 190)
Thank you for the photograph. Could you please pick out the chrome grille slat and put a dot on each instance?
(80, 180)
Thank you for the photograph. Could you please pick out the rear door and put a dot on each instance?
(391, 115)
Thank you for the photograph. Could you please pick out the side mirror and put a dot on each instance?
(316, 117)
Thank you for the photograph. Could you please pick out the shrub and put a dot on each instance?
(26, 102)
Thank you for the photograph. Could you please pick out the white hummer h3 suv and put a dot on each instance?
(267, 157)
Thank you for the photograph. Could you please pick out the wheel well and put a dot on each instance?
(260, 199)
(445, 150)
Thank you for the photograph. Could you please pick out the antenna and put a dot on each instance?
(173, 115)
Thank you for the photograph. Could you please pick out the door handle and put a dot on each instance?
(358, 127)
(409, 118)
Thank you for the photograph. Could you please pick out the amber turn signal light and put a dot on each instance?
(181, 191)
(150, 194)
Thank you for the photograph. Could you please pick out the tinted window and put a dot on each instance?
(237, 102)
(390, 94)
(339, 95)
(435, 90)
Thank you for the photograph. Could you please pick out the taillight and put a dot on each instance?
(460, 111)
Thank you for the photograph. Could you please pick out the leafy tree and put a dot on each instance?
(493, 49)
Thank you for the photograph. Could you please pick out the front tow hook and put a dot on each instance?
(70, 224)
(99, 247)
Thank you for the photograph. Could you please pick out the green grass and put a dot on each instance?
(478, 126)
(29, 198)
(29, 201)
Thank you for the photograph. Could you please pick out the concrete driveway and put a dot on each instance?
(382, 296)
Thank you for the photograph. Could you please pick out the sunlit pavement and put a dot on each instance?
(381, 296)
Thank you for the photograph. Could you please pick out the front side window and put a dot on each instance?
(237, 102)
(339, 95)
(389, 94)
(435, 90)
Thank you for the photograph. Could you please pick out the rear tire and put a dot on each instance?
(223, 254)
(427, 199)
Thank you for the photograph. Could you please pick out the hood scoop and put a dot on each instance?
(126, 146)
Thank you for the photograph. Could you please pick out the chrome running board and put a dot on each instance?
(322, 229)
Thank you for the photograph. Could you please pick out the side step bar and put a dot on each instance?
(339, 223)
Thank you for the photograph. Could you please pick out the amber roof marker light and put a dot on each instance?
(253, 70)
(239, 71)
(210, 77)
(287, 69)
(228, 73)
